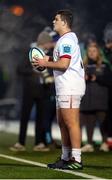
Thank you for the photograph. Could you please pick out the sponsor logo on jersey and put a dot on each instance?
(66, 48)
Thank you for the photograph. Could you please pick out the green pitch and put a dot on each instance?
(97, 164)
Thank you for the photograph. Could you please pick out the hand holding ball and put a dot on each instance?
(36, 53)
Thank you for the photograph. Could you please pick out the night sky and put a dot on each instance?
(90, 15)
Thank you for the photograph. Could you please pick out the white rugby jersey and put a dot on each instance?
(71, 81)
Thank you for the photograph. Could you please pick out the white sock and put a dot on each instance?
(76, 153)
(65, 153)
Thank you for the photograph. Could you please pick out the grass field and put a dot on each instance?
(96, 165)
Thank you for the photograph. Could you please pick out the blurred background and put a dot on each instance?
(20, 23)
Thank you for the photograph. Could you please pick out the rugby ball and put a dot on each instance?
(37, 53)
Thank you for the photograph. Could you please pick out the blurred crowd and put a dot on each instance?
(35, 89)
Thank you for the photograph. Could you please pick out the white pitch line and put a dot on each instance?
(84, 175)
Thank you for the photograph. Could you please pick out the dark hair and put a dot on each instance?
(67, 16)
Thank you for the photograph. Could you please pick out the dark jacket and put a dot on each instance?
(31, 80)
(96, 95)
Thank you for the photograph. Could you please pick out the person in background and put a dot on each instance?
(94, 104)
(106, 79)
(3, 82)
(89, 39)
(50, 103)
(69, 79)
(33, 94)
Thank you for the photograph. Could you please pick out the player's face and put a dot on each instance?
(58, 23)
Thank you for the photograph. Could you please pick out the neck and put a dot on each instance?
(64, 31)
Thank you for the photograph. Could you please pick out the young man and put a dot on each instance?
(70, 87)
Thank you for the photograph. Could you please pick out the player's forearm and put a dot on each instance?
(61, 64)
(56, 65)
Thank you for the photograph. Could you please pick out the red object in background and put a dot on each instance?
(17, 10)
(109, 142)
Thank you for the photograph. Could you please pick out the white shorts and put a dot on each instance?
(68, 101)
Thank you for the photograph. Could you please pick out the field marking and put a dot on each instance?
(84, 175)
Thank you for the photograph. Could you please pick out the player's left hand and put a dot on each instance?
(39, 62)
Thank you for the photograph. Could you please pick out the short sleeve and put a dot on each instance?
(66, 48)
